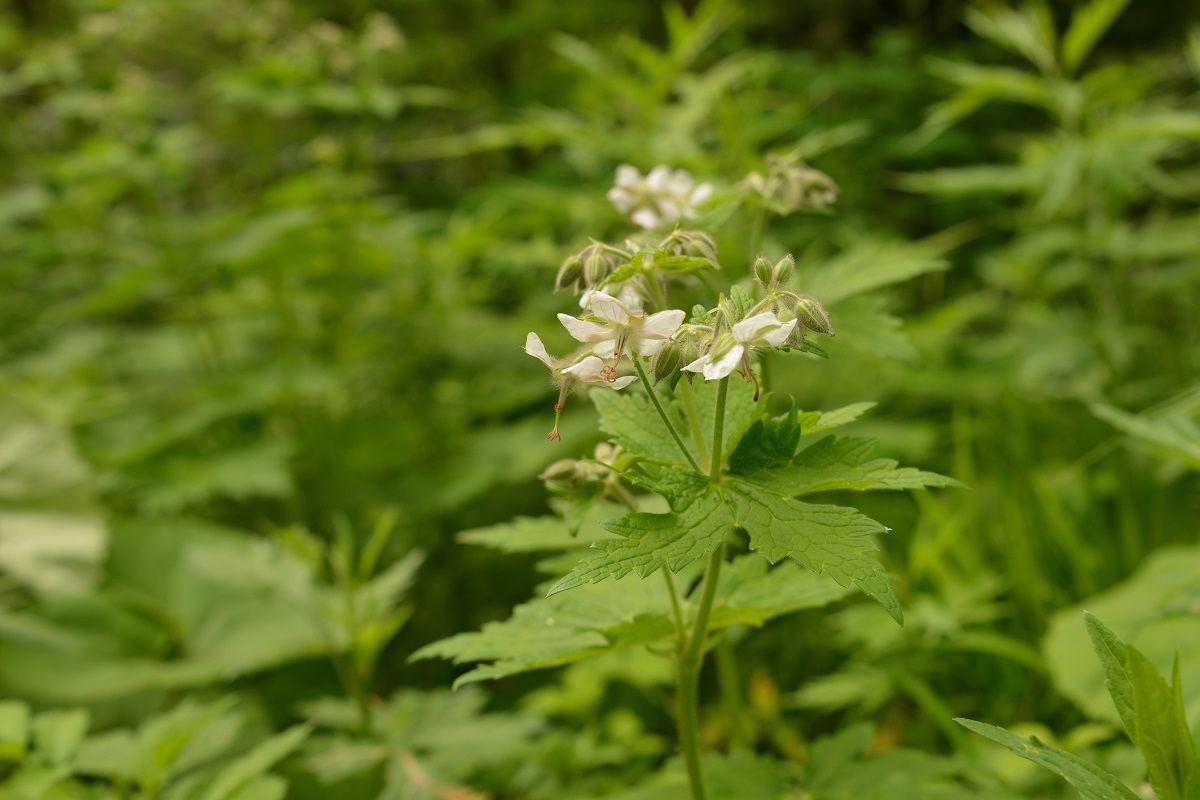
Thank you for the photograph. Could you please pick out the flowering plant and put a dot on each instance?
(697, 460)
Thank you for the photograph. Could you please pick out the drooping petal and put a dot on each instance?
(608, 308)
(586, 371)
(583, 330)
(535, 348)
(622, 382)
(662, 325)
(648, 347)
(762, 330)
(720, 368)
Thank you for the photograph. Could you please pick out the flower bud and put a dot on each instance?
(595, 267)
(667, 361)
(764, 273)
(813, 315)
(784, 269)
(569, 272)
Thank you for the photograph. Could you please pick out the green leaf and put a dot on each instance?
(1150, 610)
(600, 617)
(1092, 782)
(697, 524)
(1160, 726)
(1110, 650)
(14, 730)
(57, 734)
(832, 540)
(242, 773)
(818, 421)
(1171, 435)
(632, 422)
(871, 264)
(833, 464)
(767, 444)
(1028, 31)
(1087, 26)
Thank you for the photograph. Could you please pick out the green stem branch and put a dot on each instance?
(662, 412)
(689, 676)
(718, 431)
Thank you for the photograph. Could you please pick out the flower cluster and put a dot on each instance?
(662, 196)
(616, 282)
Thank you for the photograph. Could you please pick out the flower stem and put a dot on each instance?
(662, 412)
(689, 403)
(689, 676)
(718, 431)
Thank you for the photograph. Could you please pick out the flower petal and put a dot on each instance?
(661, 325)
(606, 348)
(586, 371)
(644, 218)
(535, 348)
(628, 176)
(608, 308)
(583, 330)
(779, 335)
(725, 365)
(622, 382)
(761, 329)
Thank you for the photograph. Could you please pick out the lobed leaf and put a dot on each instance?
(842, 464)
(827, 539)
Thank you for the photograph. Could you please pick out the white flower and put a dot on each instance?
(628, 295)
(662, 196)
(727, 353)
(621, 330)
(569, 376)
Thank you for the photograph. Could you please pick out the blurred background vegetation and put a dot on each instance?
(265, 272)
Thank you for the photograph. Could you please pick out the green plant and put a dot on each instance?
(1153, 713)
(712, 458)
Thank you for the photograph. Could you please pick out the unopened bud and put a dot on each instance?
(595, 267)
(569, 272)
(563, 468)
(667, 361)
(763, 271)
(784, 269)
(813, 315)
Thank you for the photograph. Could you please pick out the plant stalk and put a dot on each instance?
(689, 676)
(662, 412)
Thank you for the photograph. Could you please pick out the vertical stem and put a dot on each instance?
(689, 676)
(731, 690)
(718, 431)
(689, 403)
(693, 654)
(662, 412)
(680, 629)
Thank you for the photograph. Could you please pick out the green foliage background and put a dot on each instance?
(265, 271)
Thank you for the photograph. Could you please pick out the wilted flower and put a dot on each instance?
(570, 376)
(733, 349)
(663, 195)
(621, 329)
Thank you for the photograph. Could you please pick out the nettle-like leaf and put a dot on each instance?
(757, 495)
(570, 626)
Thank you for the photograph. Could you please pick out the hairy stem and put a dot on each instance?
(662, 412)
(689, 675)
(689, 403)
(718, 431)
